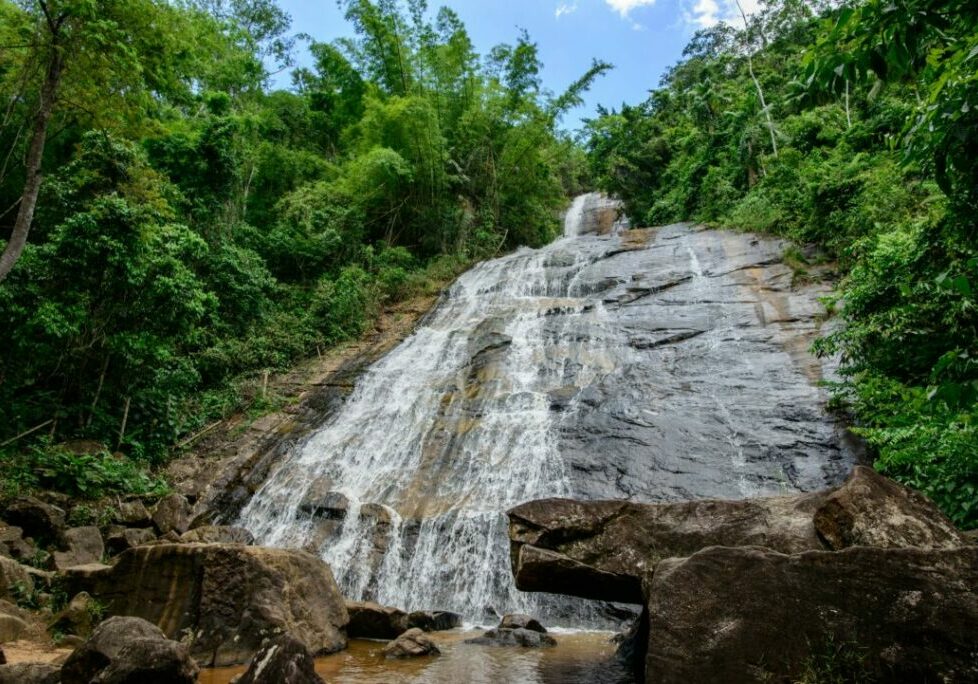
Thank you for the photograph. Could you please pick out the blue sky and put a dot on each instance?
(640, 37)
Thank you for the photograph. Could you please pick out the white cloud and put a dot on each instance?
(625, 7)
(707, 13)
(565, 8)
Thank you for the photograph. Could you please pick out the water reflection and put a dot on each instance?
(578, 658)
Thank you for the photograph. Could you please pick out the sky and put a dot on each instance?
(642, 38)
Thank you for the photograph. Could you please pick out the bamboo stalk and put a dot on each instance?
(195, 436)
(27, 432)
(125, 419)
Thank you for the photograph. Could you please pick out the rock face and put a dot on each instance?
(282, 660)
(230, 597)
(525, 638)
(603, 549)
(411, 644)
(751, 614)
(82, 546)
(127, 650)
(370, 620)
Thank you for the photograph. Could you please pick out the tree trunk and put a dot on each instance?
(757, 84)
(35, 155)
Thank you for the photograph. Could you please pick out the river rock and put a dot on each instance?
(411, 644)
(282, 660)
(81, 546)
(30, 673)
(133, 514)
(602, 549)
(172, 514)
(218, 534)
(229, 596)
(525, 638)
(434, 621)
(369, 620)
(14, 578)
(751, 614)
(518, 621)
(129, 650)
(128, 538)
(78, 617)
(37, 519)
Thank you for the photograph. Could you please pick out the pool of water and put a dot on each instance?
(578, 658)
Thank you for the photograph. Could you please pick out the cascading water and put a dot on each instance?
(552, 372)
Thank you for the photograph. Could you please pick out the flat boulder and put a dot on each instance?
(751, 614)
(129, 650)
(524, 638)
(369, 620)
(412, 644)
(230, 597)
(282, 660)
(218, 534)
(603, 549)
(80, 546)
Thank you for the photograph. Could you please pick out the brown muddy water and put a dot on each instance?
(578, 658)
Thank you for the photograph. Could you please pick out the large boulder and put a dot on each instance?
(520, 621)
(129, 650)
(172, 514)
(751, 614)
(411, 644)
(30, 673)
(434, 620)
(78, 617)
(230, 597)
(14, 579)
(120, 540)
(37, 519)
(80, 546)
(133, 514)
(603, 549)
(218, 534)
(369, 620)
(524, 638)
(282, 660)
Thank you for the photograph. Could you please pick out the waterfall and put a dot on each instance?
(540, 374)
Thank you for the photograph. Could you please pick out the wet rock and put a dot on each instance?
(320, 501)
(752, 614)
(12, 628)
(871, 510)
(434, 621)
(370, 620)
(14, 578)
(411, 644)
(78, 617)
(172, 514)
(133, 514)
(218, 534)
(525, 638)
(282, 660)
(518, 621)
(82, 546)
(602, 549)
(118, 541)
(129, 650)
(37, 519)
(231, 597)
(30, 673)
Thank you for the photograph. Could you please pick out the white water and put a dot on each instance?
(446, 439)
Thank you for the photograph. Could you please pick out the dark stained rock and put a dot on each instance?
(30, 673)
(14, 577)
(78, 617)
(128, 538)
(369, 620)
(80, 546)
(229, 596)
(281, 660)
(133, 514)
(518, 621)
(525, 638)
(871, 510)
(126, 650)
(3, 657)
(37, 519)
(411, 644)
(602, 549)
(751, 614)
(218, 534)
(172, 514)
(434, 621)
